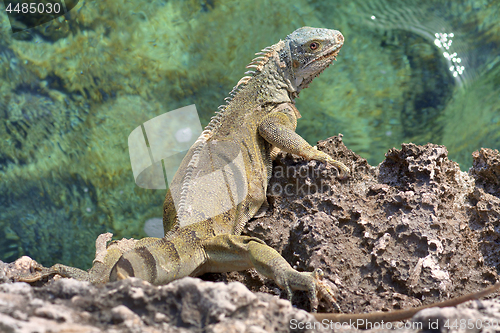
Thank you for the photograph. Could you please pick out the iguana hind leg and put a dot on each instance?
(39, 272)
(231, 253)
(107, 254)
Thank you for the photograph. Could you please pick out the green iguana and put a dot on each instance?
(222, 181)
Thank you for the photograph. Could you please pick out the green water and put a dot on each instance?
(72, 90)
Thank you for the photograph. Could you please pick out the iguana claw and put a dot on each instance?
(325, 290)
(315, 284)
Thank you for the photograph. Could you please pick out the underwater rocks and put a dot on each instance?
(410, 231)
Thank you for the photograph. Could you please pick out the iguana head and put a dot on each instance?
(307, 52)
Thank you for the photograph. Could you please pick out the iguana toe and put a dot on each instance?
(343, 170)
(325, 290)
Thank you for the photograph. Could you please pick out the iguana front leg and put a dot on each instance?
(278, 128)
(227, 253)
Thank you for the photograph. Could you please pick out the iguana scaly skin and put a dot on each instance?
(222, 181)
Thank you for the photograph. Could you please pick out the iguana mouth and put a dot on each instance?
(332, 54)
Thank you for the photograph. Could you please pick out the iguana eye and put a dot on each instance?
(314, 46)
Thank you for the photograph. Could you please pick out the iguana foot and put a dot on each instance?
(36, 272)
(342, 169)
(325, 290)
(278, 128)
(230, 252)
(313, 282)
(28, 270)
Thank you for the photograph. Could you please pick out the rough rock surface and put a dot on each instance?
(186, 305)
(411, 231)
